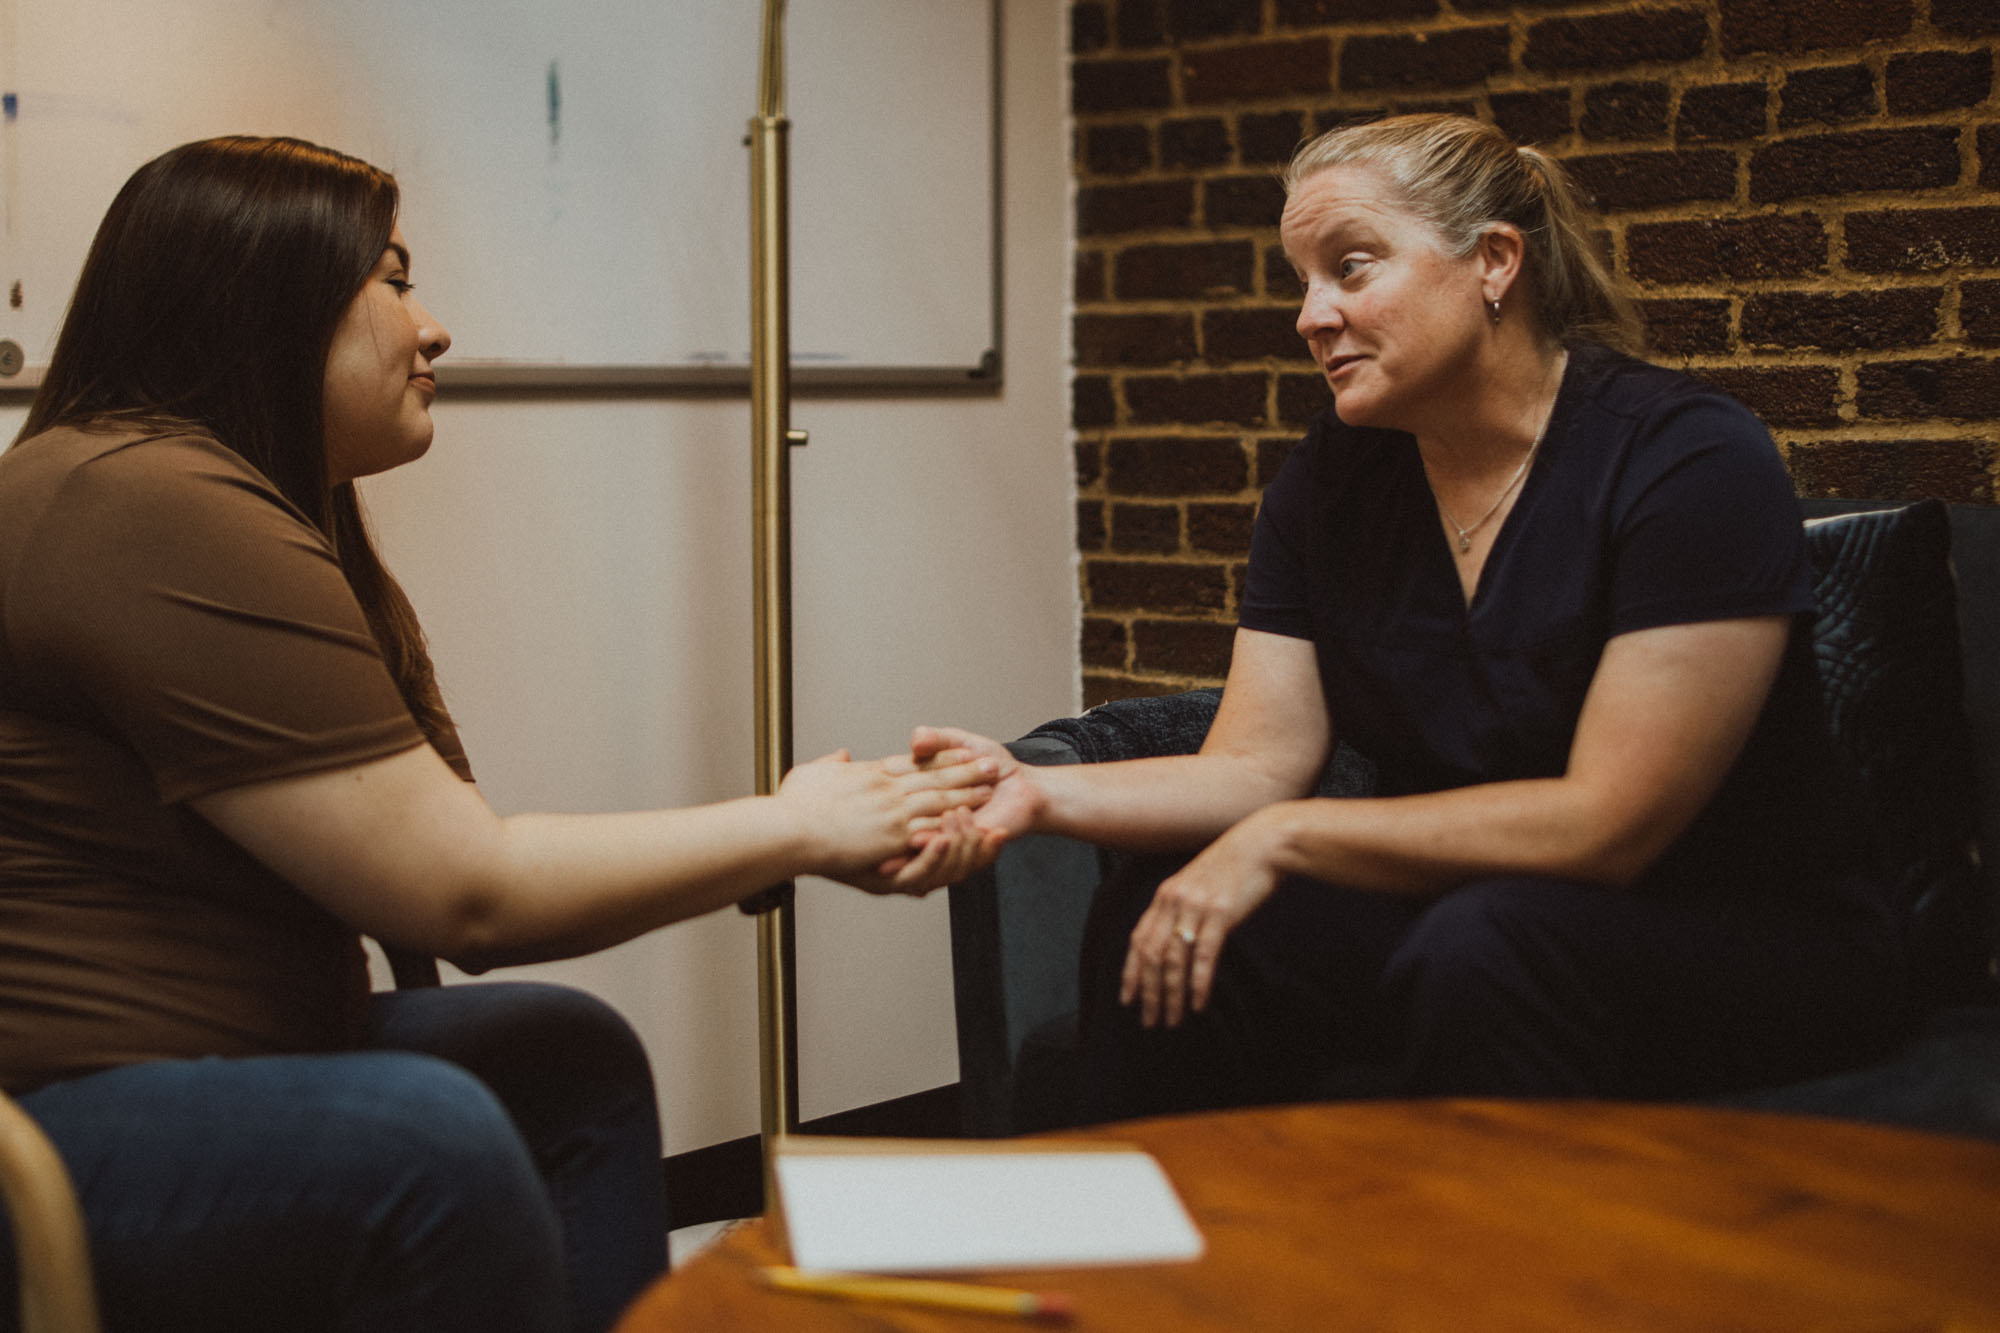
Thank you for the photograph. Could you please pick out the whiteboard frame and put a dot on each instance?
(504, 379)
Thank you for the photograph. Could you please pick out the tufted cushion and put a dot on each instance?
(1888, 649)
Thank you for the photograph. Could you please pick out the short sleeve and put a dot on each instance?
(173, 598)
(1708, 527)
(1276, 590)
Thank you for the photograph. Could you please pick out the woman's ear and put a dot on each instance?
(1500, 253)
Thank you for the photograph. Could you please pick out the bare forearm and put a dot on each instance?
(1160, 804)
(1423, 844)
(555, 886)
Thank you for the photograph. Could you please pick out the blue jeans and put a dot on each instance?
(490, 1161)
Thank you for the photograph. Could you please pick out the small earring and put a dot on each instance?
(1493, 310)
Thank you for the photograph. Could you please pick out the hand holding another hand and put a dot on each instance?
(892, 825)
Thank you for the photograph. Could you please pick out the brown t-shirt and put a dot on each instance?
(169, 626)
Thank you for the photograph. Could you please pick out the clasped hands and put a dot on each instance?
(900, 824)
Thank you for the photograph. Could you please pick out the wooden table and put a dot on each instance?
(1488, 1216)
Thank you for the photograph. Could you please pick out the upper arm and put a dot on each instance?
(1667, 713)
(393, 846)
(1273, 715)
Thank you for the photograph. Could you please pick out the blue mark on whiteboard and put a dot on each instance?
(555, 104)
(10, 105)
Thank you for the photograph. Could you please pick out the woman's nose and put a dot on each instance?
(1318, 312)
(435, 337)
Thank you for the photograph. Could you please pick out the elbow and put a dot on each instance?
(1615, 857)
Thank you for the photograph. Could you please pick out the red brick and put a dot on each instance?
(1446, 59)
(1256, 70)
(1859, 162)
(1091, 403)
(1963, 387)
(1154, 585)
(1625, 111)
(1782, 396)
(1924, 82)
(1332, 118)
(1649, 179)
(1115, 150)
(1196, 20)
(1091, 269)
(1917, 239)
(1221, 529)
(1610, 41)
(1175, 466)
(1120, 85)
(1301, 398)
(1091, 531)
(1088, 456)
(1271, 455)
(1251, 334)
(1133, 339)
(1107, 210)
(1089, 27)
(1778, 246)
(1828, 95)
(1193, 400)
(1280, 282)
(1242, 201)
(1956, 470)
(1686, 327)
(1199, 142)
(1979, 310)
(1145, 529)
(1966, 18)
(1141, 23)
(1532, 117)
(1319, 13)
(1183, 272)
(1182, 647)
(1103, 643)
(1724, 111)
(1843, 321)
(1796, 26)
(1269, 138)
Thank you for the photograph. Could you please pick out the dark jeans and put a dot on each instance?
(490, 1162)
(1505, 987)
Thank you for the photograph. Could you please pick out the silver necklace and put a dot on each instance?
(1465, 532)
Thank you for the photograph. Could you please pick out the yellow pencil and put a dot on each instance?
(923, 1291)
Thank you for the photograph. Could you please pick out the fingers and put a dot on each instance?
(899, 765)
(1170, 964)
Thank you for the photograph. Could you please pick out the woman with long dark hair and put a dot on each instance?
(224, 757)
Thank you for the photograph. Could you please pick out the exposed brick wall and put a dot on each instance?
(1803, 194)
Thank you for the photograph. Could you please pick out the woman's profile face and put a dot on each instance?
(1389, 315)
(379, 379)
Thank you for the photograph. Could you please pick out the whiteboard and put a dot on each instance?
(575, 181)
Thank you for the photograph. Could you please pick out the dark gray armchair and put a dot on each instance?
(1911, 658)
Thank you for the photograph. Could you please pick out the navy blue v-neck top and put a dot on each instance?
(1653, 500)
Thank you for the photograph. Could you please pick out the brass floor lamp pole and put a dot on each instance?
(771, 536)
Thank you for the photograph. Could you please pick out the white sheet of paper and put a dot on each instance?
(916, 1212)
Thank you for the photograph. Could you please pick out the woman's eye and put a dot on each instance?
(403, 286)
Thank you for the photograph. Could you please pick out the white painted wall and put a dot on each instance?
(583, 568)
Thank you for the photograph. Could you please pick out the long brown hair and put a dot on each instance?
(1462, 176)
(208, 301)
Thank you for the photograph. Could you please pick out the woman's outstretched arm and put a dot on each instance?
(403, 850)
(1269, 741)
